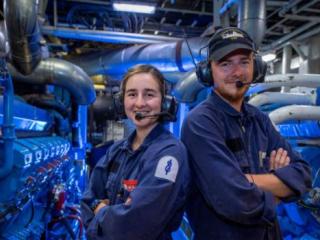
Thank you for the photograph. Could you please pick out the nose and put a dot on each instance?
(237, 70)
(140, 102)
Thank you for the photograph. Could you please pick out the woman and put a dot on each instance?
(137, 191)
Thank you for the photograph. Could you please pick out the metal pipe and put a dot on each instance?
(79, 134)
(227, 6)
(23, 34)
(280, 42)
(286, 57)
(252, 18)
(187, 88)
(294, 112)
(298, 50)
(8, 133)
(292, 80)
(4, 45)
(283, 99)
(167, 57)
(288, 6)
(105, 36)
(64, 74)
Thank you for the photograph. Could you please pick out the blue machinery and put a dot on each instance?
(38, 175)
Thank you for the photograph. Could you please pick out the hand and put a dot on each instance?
(102, 204)
(279, 159)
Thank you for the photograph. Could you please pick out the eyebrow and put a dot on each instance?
(228, 60)
(146, 90)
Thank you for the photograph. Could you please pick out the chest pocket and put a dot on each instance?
(123, 166)
(237, 147)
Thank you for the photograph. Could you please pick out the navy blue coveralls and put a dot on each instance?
(160, 168)
(223, 146)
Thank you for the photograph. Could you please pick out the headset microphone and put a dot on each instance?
(139, 116)
(240, 84)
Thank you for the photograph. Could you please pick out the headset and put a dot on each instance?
(169, 106)
(203, 68)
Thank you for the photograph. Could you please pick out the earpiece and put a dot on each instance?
(203, 68)
(259, 69)
(119, 106)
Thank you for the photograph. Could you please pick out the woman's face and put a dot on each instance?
(142, 95)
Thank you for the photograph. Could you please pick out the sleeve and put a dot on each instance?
(297, 175)
(154, 201)
(218, 175)
(94, 191)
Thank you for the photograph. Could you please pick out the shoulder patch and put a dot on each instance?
(167, 168)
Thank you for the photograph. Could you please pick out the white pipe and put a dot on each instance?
(295, 112)
(292, 80)
(283, 98)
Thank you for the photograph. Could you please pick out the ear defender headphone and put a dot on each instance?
(203, 68)
(169, 105)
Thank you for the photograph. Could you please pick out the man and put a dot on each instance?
(241, 166)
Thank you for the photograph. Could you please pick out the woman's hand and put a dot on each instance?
(102, 204)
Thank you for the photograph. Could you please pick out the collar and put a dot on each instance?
(225, 107)
(155, 132)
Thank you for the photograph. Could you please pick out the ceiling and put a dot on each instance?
(285, 20)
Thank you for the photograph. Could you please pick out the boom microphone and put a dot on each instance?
(139, 116)
(240, 84)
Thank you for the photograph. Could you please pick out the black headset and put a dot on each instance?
(203, 68)
(169, 105)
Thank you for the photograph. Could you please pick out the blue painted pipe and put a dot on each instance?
(227, 6)
(8, 126)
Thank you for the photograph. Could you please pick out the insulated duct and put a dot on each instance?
(187, 88)
(294, 112)
(252, 18)
(167, 57)
(23, 34)
(292, 80)
(61, 73)
(283, 99)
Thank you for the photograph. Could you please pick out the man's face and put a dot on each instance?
(236, 66)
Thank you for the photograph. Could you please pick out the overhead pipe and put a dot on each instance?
(252, 18)
(61, 73)
(295, 46)
(288, 37)
(167, 57)
(283, 99)
(8, 134)
(21, 18)
(105, 36)
(292, 80)
(226, 7)
(294, 112)
(286, 8)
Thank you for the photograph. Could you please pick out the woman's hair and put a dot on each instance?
(145, 68)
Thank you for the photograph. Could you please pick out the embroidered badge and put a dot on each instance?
(167, 168)
(130, 184)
